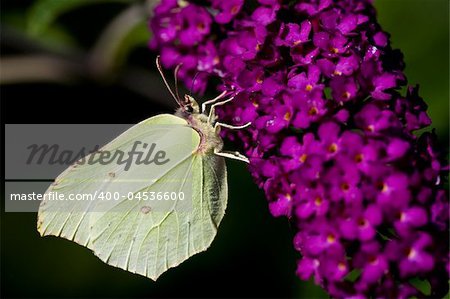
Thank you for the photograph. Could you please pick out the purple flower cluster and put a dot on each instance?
(331, 140)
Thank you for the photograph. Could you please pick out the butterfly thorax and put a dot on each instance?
(209, 137)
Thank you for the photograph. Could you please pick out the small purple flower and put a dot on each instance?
(264, 15)
(362, 226)
(227, 10)
(194, 24)
(439, 210)
(292, 34)
(343, 88)
(331, 45)
(344, 181)
(311, 202)
(312, 7)
(305, 82)
(309, 110)
(373, 119)
(412, 256)
(308, 267)
(393, 191)
(282, 206)
(297, 153)
(328, 134)
(381, 84)
(244, 44)
(409, 219)
(373, 262)
(347, 65)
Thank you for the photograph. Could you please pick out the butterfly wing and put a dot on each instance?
(143, 236)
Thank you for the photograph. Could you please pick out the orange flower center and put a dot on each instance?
(287, 116)
(331, 238)
(383, 187)
(201, 26)
(345, 187)
(411, 253)
(342, 266)
(303, 158)
(259, 79)
(313, 111)
(318, 201)
(362, 222)
(333, 148)
(373, 260)
(359, 158)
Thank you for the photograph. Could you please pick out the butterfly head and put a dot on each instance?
(190, 105)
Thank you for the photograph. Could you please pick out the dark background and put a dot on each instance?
(252, 255)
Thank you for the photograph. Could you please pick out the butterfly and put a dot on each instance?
(150, 217)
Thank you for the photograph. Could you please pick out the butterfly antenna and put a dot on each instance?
(175, 74)
(193, 82)
(158, 65)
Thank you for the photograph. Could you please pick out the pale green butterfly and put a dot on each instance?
(136, 235)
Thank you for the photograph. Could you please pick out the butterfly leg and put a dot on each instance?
(219, 97)
(219, 124)
(229, 154)
(213, 107)
(232, 155)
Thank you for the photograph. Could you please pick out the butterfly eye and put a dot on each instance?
(188, 108)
